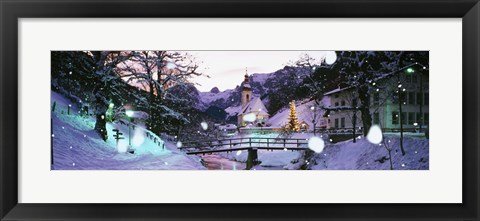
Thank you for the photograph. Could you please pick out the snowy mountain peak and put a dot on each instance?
(215, 90)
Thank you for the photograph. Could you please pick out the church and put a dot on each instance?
(253, 110)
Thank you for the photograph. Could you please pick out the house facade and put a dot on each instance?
(390, 93)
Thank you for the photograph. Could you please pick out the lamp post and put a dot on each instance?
(314, 121)
(129, 114)
(422, 96)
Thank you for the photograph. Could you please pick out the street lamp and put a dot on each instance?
(314, 119)
(129, 114)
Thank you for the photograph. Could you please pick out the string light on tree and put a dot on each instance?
(293, 124)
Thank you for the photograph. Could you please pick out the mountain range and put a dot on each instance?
(262, 85)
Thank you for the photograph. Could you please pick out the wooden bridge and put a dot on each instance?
(251, 144)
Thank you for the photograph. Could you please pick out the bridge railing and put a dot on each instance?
(251, 141)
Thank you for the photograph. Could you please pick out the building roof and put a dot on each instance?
(255, 105)
(336, 91)
(380, 77)
(246, 86)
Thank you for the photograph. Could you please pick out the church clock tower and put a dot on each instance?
(246, 90)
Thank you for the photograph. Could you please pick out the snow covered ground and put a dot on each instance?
(364, 155)
(346, 155)
(76, 146)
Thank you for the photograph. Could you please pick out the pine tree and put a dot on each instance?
(293, 124)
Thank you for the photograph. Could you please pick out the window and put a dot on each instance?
(376, 118)
(343, 103)
(336, 123)
(394, 117)
(404, 118)
(411, 78)
(342, 122)
(411, 118)
(419, 118)
(419, 98)
(426, 99)
(376, 98)
(425, 118)
(411, 97)
(336, 104)
(248, 98)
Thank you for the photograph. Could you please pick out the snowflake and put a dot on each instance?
(375, 135)
(204, 125)
(316, 144)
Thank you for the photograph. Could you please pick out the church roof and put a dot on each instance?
(255, 105)
(246, 85)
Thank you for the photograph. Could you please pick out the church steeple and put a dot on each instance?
(246, 90)
(245, 80)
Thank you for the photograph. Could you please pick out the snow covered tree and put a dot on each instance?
(158, 72)
(359, 70)
(108, 84)
(406, 62)
(283, 88)
(90, 79)
(292, 124)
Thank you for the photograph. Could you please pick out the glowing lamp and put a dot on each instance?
(129, 113)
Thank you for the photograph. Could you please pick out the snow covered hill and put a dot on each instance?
(363, 155)
(76, 146)
(304, 113)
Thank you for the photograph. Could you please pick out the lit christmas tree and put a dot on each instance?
(293, 124)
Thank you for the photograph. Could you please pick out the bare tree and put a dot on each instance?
(158, 72)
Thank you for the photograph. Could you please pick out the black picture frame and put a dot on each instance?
(11, 11)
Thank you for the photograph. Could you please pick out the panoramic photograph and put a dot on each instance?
(239, 110)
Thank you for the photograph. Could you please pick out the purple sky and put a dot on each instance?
(227, 68)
